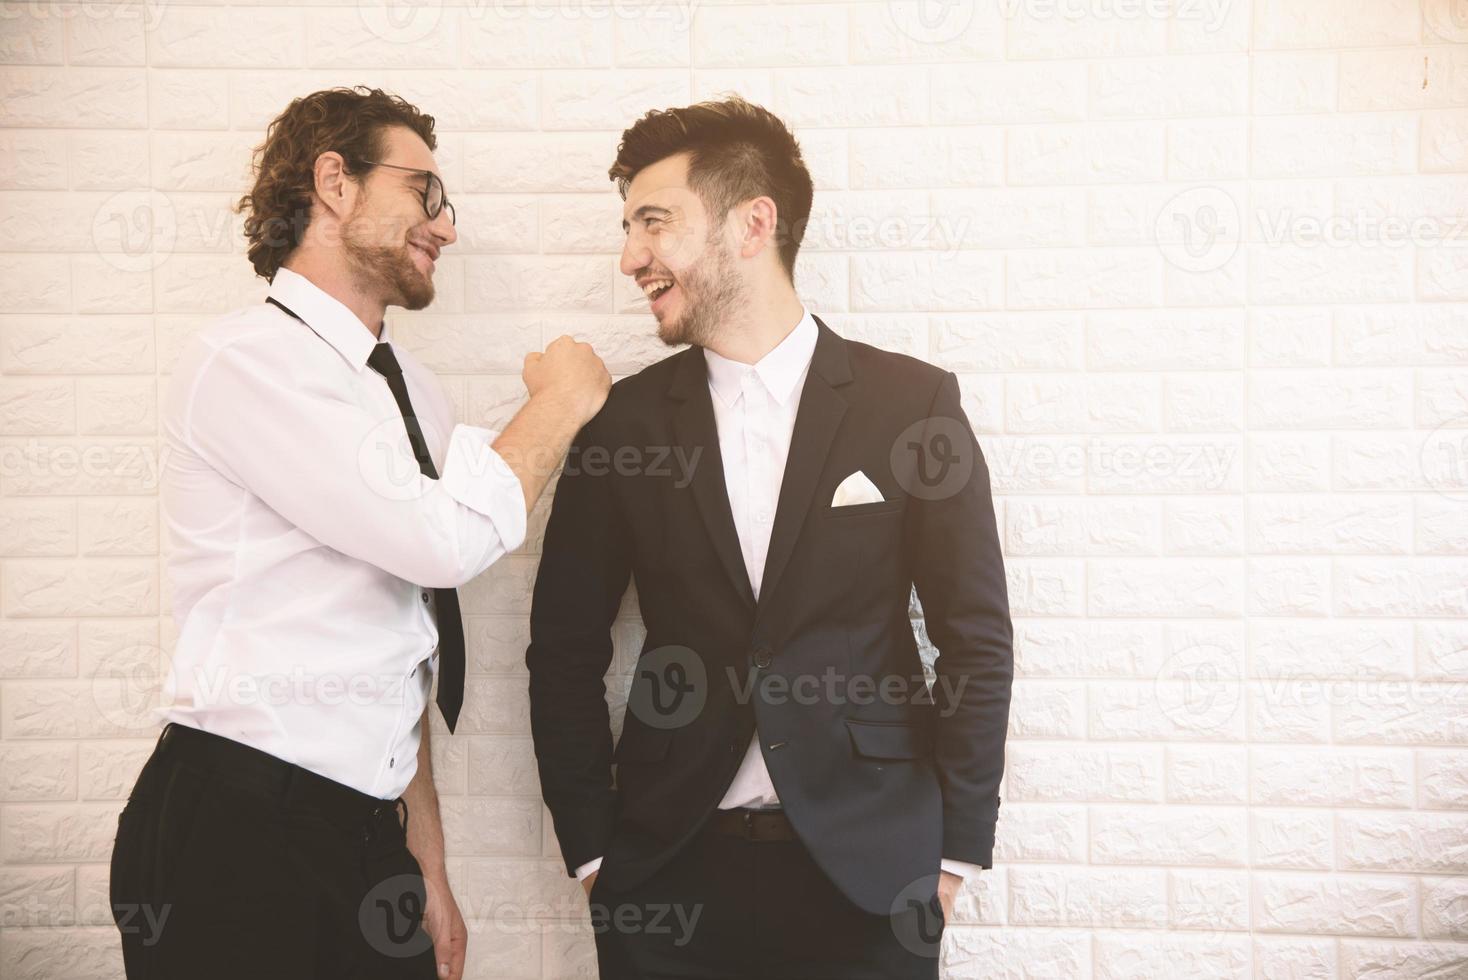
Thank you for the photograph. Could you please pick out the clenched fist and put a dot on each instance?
(571, 370)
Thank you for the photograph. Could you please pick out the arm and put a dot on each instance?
(442, 919)
(586, 874)
(963, 869)
(425, 825)
(536, 439)
(954, 874)
(335, 468)
(958, 569)
(332, 467)
(584, 570)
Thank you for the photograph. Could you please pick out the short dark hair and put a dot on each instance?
(350, 121)
(737, 151)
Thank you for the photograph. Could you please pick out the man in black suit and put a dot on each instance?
(788, 786)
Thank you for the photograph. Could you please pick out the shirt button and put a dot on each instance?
(391, 761)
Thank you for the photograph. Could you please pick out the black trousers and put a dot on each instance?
(731, 908)
(232, 864)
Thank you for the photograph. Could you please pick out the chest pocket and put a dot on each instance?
(868, 535)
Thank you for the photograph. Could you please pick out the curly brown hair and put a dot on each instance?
(738, 151)
(350, 121)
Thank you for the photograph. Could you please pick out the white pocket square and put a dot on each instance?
(856, 489)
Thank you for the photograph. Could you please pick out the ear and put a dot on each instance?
(334, 187)
(759, 226)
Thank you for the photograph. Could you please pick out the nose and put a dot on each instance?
(635, 255)
(443, 229)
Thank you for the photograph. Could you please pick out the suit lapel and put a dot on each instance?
(695, 431)
(816, 421)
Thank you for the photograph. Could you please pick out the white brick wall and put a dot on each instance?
(1199, 263)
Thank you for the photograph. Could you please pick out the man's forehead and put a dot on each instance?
(407, 149)
(657, 185)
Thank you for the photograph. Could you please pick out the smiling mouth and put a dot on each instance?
(656, 288)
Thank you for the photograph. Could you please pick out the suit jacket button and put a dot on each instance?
(763, 655)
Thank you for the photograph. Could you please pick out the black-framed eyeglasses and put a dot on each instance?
(434, 198)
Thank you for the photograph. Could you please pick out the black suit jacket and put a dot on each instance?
(879, 783)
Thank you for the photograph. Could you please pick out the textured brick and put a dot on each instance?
(1196, 265)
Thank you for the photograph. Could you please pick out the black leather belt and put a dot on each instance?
(753, 824)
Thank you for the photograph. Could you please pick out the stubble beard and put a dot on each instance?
(711, 292)
(388, 270)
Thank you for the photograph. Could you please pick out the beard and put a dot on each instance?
(711, 291)
(388, 270)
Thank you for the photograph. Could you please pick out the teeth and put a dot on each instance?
(655, 286)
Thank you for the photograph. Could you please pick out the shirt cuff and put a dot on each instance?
(586, 869)
(480, 479)
(964, 869)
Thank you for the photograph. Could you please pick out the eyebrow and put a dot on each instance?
(643, 212)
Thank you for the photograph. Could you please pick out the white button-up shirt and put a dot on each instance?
(303, 538)
(754, 411)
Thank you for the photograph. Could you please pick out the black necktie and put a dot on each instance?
(450, 621)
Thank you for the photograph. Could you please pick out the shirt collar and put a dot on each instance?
(779, 370)
(327, 316)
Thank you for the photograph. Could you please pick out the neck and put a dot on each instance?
(327, 274)
(760, 324)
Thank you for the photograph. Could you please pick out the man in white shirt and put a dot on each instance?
(322, 508)
(790, 797)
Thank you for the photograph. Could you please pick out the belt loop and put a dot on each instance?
(749, 825)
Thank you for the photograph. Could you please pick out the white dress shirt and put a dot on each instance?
(754, 411)
(304, 539)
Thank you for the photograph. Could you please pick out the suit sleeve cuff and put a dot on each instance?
(480, 479)
(586, 869)
(964, 869)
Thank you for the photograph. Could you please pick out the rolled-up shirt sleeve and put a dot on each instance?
(342, 471)
(479, 478)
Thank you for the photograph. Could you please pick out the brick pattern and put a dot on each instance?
(1198, 263)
